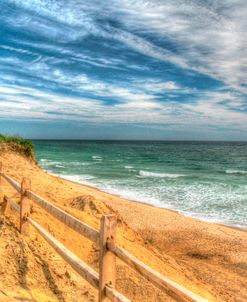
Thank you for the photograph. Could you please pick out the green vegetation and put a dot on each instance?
(23, 145)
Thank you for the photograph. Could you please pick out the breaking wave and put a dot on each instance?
(161, 175)
(242, 172)
(96, 157)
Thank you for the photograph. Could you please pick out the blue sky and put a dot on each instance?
(124, 69)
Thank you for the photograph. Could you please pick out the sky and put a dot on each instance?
(129, 69)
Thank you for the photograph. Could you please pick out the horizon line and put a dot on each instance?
(134, 140)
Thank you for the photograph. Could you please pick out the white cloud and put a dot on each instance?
(25, 103)
(158, 86)
(138, 91)
(19, 50)
(205, 37)
(208, 37)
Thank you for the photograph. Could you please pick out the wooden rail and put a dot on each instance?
(109, 250)
(70, 221)
(173, 289)
(12, 204)
(79, 266)
(12, 182)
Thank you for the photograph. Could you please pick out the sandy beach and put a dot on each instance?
(208, 259)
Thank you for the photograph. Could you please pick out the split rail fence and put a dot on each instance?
(105, 280)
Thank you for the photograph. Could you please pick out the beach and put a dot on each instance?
(205, 180)
(209, 259)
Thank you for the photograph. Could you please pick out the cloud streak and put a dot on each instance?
(23, 103)
(178, 63)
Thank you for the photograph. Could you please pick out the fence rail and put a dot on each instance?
(106, 278)
(69, 220)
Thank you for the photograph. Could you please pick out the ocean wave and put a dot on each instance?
(128, 167)
(78, 163)
(96, 157)
(44, 160)
(242, 172)
(48, 162)
(59, 166)
(78, 178)
(161, 175)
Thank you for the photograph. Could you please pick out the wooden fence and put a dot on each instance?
(105, 280)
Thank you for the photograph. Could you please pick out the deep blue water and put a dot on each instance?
(207, 180)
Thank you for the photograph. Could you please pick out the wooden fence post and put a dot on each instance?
(107, 260)
(5, 205)
(1, 190)
(1, 170)
(1, 196)
(25, 206)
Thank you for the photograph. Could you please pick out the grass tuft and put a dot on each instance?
(23, 145)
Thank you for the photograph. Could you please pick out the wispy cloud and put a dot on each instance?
(182, 63)
(207, 38)
(26, 103)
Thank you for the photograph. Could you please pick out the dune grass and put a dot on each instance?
(26, 146)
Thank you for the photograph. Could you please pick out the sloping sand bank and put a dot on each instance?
(209, 259)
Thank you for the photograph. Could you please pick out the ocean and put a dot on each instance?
(206, 180)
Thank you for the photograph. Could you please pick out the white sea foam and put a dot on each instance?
(48, 162)
(59, 166)
(161, 175)
(242, 172)
(44, 160)
(181, 197)
(78, 163)
(96, 157)
(83, 179)
(128, 167)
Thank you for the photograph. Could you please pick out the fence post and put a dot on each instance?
(1, 196)
(107, 260)
(25, 206)
(5, 205)
(1, 190)
(1, 170)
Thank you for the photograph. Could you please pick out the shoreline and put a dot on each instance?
(243, 229)
(193, 253)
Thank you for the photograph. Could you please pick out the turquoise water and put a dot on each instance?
(207, 180)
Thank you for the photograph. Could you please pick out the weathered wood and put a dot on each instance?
(173, 289)
(79, 266)
(12, 182)
(72, 222)
(107, 259)
(5, 205)
(1, 170)
(69, 220)
(12, 204)
(25, 206)
(1, 196)
(114, 295)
